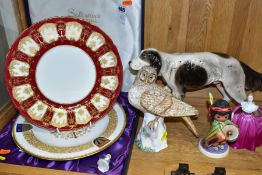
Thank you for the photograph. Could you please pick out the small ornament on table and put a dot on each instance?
(103, 163)
(4, 151)
(156, 103)
(222, 130)
(152, 138)
(248, 117)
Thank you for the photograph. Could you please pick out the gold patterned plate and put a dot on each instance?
(68, 145)
(63, 73)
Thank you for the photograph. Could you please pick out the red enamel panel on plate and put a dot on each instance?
(63, 73)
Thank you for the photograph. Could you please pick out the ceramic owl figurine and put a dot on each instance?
(149, 97)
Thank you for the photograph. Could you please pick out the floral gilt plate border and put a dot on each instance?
(29, 141)
(24, 55)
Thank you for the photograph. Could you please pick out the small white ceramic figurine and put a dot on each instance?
(249, 106)
(149, 97)
(103, 163)
(152, 139)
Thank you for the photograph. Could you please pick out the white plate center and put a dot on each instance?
(65, 74)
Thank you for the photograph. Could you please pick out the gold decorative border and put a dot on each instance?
(112, 114)
(34, 34)
(34, 141)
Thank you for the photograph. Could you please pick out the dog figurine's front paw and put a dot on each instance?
(178, 96)
(182, 96)
(166, 88)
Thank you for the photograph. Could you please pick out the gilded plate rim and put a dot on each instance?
(23, 105)
(75, 157)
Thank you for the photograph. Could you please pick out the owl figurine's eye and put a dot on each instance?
(151, 78)
(143, 75)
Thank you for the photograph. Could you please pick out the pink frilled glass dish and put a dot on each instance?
(63, 73)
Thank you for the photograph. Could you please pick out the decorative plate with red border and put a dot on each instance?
(63, 73)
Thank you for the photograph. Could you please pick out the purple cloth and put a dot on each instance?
(250, 129)
(119, 150)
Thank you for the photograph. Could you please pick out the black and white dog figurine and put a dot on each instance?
(184, 71)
